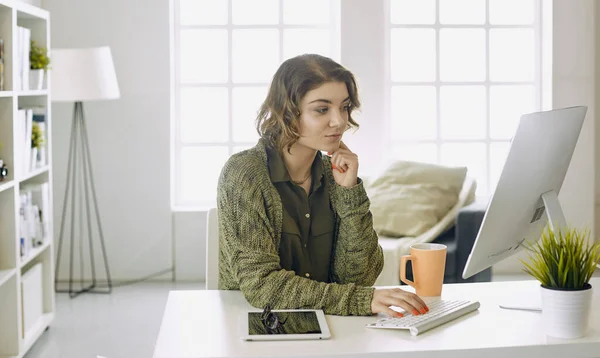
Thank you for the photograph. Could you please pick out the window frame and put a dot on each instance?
(541, 26)
(178, 203)
(373, 141)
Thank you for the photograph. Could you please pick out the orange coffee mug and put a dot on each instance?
(428, 265)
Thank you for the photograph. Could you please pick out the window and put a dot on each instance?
(225, 53)
(460, 74)
(446, 84)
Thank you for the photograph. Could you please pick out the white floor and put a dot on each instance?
(121, 325)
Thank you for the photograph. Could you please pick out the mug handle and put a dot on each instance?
(403, 260)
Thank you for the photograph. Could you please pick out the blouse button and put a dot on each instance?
(307, 274)
(307, 215)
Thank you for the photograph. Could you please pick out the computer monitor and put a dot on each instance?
(526, 196)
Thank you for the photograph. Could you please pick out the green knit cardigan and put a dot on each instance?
(250, 222)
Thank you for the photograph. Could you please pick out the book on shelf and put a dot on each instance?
(34, 220)
(21, 81)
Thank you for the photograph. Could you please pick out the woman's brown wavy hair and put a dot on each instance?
(278, 118)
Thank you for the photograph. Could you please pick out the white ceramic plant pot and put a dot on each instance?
(566, 313)
(36, 79)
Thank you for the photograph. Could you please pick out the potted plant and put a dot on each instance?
(38, 62)
(564, 262)
(37, 139)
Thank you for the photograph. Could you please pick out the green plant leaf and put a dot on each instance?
(562, 259)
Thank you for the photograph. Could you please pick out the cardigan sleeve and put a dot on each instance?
(358, 257)
(248, 249)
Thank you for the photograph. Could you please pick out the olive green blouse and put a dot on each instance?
(308, 220)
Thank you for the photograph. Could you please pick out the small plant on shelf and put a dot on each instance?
(38, 57)
(37, 139)
(39, 63)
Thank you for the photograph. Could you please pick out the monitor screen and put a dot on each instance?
(296, 322)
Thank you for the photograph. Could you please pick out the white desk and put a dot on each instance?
(205, 324)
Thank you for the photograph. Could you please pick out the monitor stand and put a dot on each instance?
(529, 301)
(554, 212)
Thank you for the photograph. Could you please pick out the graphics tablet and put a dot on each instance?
(285, 325)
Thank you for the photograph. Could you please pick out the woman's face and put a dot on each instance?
(324, 115)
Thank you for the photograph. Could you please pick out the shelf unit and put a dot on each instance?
(14, 341)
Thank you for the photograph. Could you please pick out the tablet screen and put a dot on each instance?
(301, 322)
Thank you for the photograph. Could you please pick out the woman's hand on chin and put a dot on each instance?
(345, 166)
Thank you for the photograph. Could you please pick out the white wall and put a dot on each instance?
(574, 73)
(359, 46)
(129, 137)
(573, 84)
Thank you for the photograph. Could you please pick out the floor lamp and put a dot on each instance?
(78, 76)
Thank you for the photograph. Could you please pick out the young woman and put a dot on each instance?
(295, 227)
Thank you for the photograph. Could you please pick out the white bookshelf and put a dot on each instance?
(14, 340)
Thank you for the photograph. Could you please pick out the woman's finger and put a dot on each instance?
(390, 312)
(416, 304)
(414, 299)
(342, 163)
(336, 166)
(348, 157)
(419, 300)
(336, 160)
(399, 302)
(382, 306)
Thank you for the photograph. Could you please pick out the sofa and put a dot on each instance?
(415, 203)
(460, 239)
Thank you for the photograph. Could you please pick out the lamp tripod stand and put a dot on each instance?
(79, 154)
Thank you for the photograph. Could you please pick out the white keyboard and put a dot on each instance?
(440, 312)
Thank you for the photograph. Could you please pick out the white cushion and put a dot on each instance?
(409, 198)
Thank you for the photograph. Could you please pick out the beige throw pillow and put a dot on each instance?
(409, 198)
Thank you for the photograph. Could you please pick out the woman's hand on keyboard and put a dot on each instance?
(384, 298)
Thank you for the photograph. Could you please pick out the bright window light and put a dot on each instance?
(461, 73)
(225, 54)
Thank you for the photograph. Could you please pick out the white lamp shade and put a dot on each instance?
(86, 74)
